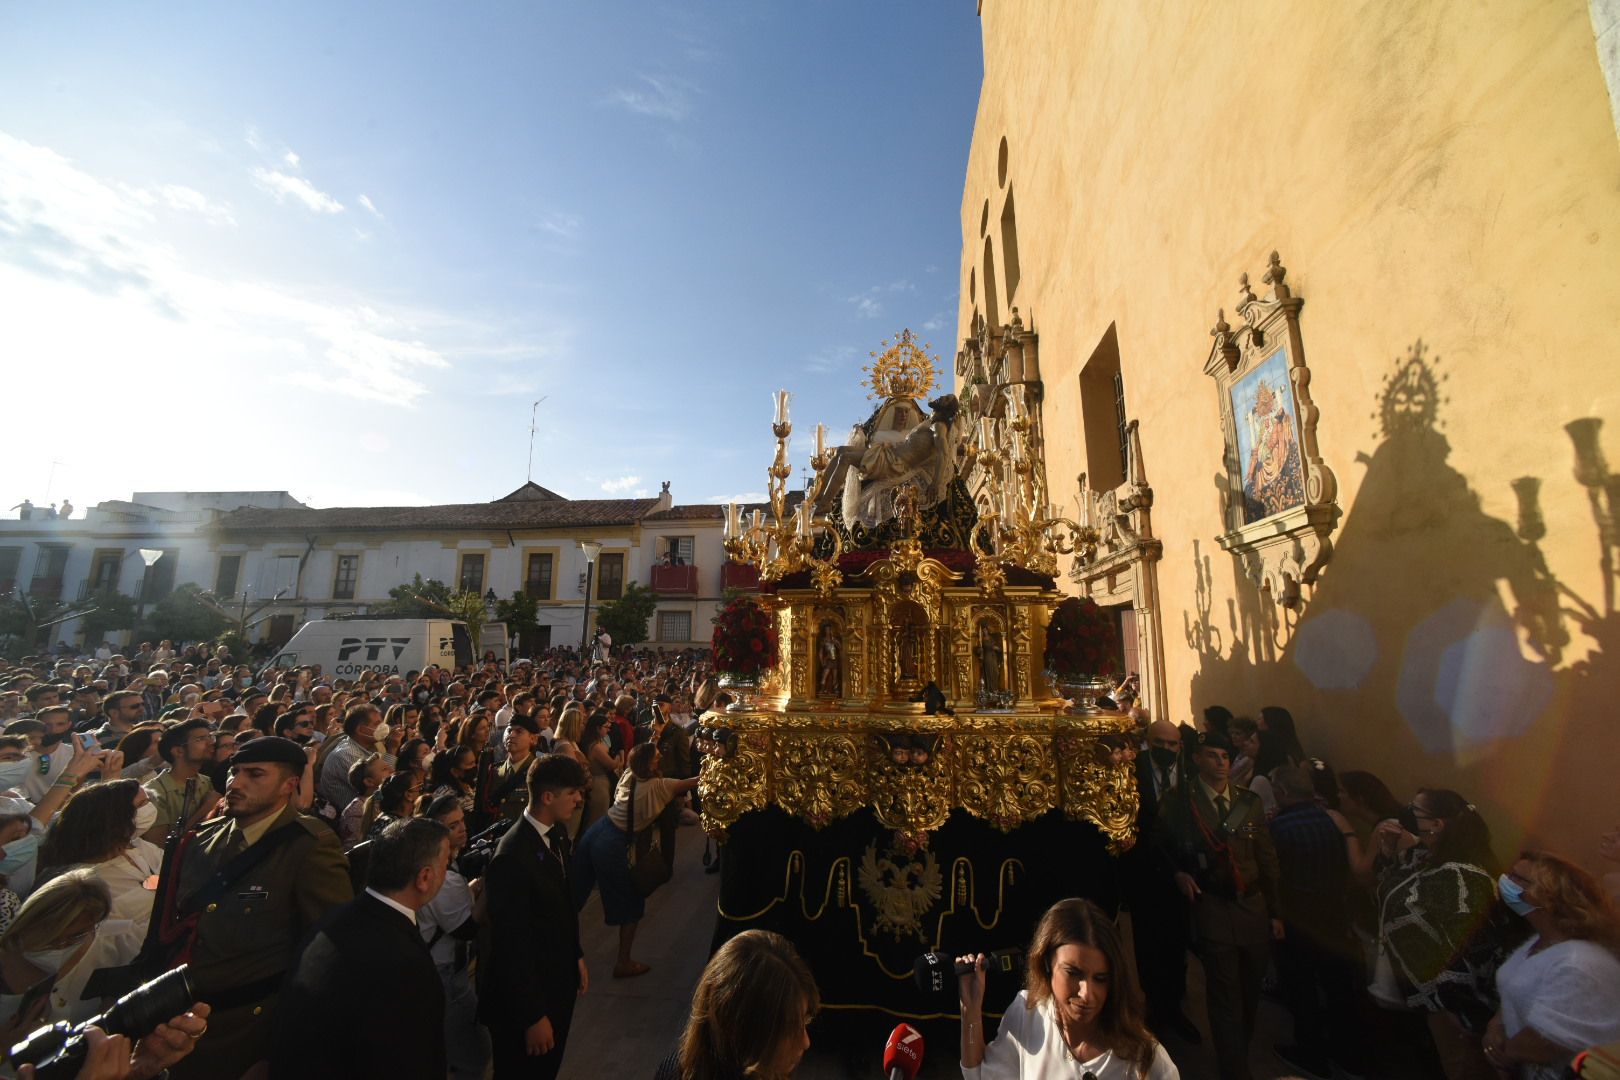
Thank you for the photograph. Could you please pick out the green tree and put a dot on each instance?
(418, 599)
(626, 618)
(185, 615)
(26, 622)
(109, 610)
(469, 608)
(521, 614)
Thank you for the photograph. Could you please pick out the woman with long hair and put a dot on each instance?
(605, 767)
(455, 771)
(1561, 989)
(750, 1013)
(48, 942)
(605, 849)
(570, 730)
(1441, 930)
(394, 800)
(1080, 1011)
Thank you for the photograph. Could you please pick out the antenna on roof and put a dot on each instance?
(529, 478)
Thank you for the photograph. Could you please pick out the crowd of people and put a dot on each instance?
(283, 835)
(297, 841)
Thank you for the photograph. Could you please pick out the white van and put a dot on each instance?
(347, 648)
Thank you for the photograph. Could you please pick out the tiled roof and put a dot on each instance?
(690, 512)
(530, 491)
(521, 514)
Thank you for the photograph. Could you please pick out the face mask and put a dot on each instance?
(382, 733)
(19, 853)
(13, 773)
(1513, 896)
(1163, 756)
(51, 959)
(146, 816)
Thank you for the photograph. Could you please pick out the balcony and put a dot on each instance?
(675, 580)
(739, 576)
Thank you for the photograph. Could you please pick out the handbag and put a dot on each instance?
(649, 866)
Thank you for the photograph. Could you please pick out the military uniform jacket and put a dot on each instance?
(1232, 860)
(252, 932)
(510, 780)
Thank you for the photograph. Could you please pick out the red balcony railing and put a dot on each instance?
(736, 575)
(675, 580)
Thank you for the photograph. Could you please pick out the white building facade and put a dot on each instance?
(267, 556)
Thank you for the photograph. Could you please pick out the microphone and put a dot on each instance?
(903, 1053)
(934, 971)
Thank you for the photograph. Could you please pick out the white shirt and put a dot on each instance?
(391, 902)
(37, 783)
(1029, 1046)
(1567, 992)
(451, 908)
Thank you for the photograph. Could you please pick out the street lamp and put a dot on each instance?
(489, 603)
(591, 549)
(149, 556)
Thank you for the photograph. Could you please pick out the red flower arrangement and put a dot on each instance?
(1082, 640)
(744, 638)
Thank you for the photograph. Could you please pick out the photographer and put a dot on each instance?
(449, 924)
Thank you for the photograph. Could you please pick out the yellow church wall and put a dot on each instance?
(1442, 182)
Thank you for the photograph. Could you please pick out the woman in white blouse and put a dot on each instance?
(1561, 989)
(1079, 1014)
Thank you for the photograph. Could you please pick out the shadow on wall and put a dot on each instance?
(1434, 649)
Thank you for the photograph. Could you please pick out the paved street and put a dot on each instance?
(624, 1027)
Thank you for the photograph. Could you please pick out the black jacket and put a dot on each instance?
(532, 968)
(364, 1000)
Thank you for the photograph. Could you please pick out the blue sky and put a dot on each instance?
(341, 249)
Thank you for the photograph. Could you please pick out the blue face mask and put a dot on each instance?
(19, 853)
(1513, 896)
(13, 773)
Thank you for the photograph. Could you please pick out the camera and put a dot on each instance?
(481, 849)
(57, 1051)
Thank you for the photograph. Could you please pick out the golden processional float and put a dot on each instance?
(905, 778)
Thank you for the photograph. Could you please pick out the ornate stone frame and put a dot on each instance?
(1285, 551)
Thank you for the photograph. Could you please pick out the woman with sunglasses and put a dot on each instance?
(1441, 928)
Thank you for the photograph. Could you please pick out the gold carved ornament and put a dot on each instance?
(819, 776)
(1093, 790)
(911, 798)
(1007, 777)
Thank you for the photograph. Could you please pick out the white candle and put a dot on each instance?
(1014, 406)
(804, 519)
(733, 519)
(986, 435)
(756, 520)
(821, 439)
(781, 406)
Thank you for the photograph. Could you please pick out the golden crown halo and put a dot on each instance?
(902, 370)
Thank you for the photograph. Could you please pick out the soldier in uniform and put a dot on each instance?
(237, 897)
(1214, 844)
(508, 793)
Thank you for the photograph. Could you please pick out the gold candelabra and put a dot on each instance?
(786, 544)
(1019, 528)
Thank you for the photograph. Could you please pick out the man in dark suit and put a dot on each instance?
(1159, 912)
(528, 982)
(364, 998)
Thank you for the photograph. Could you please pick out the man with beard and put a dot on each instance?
(241, 893)
(180, 793)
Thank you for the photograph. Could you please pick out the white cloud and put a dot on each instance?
(661, 96)
(252, 138)
(190, 200)
(831, 359)
(291, 159)
(365, 201)
(622, 486)
(935, 322)
(741, 497)
(562, 225)
(283, 186)
(87, 272)
(869, 303)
